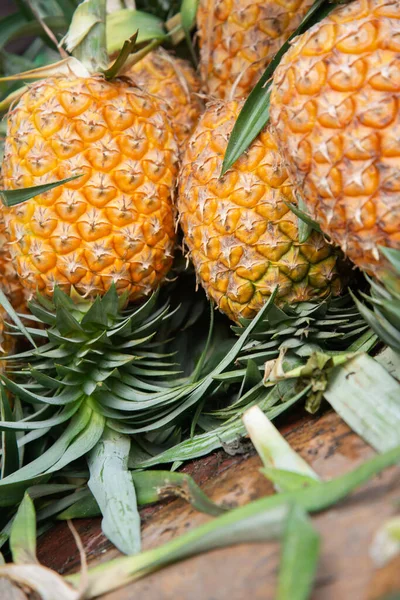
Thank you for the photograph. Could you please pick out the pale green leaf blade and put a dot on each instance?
(272, 447)
(23, 533)
(112, 486)
(14, 197)
(367, 397)
(299, 557)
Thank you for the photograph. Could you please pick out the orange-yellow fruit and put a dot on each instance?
(174, 81)
(335, 106)
(239, 38)
(115, 223)
(10, 283)
(242, 237)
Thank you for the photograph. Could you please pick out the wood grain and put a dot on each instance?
(345, 572)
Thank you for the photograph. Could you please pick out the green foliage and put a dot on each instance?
(299, 556)
(382, 311)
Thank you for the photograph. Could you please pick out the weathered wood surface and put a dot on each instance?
(346, 571)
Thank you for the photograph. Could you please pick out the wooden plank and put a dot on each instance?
(249, 571)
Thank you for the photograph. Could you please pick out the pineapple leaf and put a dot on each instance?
(10, 455)
(23, 533)
(112, 486)
(6, 304)
(49, 458)
(83, 443)
(117, 66)
(393, 257)
(288, 481)
(305, 223)
(220, 435)
(14, 197)
(61, 417)
(272, 447)
(66, 397)
(299, 556)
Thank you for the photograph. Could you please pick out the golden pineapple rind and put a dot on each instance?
(238, 39)
(114, 224)
(241, 236)
(175, 82)
(335, 108)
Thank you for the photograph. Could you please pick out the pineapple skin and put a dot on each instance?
(335, 111)
(241, 236)
(174, 81)
(239, 38)
(115, 224)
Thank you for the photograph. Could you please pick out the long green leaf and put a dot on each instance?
(14, 197)
(23, 533)
(6, 304)
(58, 419)
(83, 443)
(10, 454)
(112, 486)
(299, 557)
(53, 455)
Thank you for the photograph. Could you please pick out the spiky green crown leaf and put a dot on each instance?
(382, 311)
(329, 326)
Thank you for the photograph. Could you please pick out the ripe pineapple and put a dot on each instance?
(238, 39)
(174, 81)
(242, 237)
(335, 109)
(113, 224)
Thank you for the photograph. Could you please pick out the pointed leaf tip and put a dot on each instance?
(13, 197)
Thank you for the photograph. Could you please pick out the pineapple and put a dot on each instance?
(334, 107)
(238, 39)
(241, 235)
(115, 223)
(174, 81)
